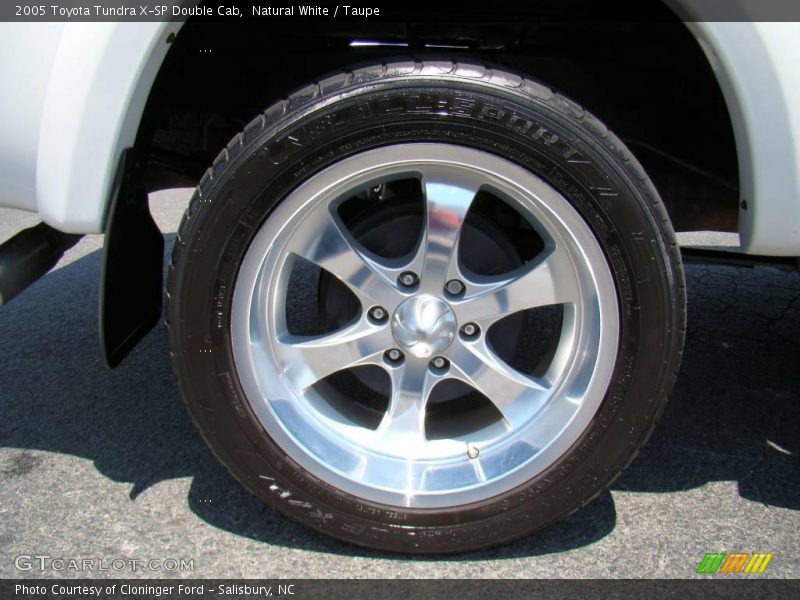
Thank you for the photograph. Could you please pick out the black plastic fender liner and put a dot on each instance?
(132, 266)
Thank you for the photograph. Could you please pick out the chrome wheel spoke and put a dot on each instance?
(311, 360)
(404, 421)
(333, 248)
(446, 205)
(550, 280)
(514, 394)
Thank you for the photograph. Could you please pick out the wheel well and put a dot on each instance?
(648, 80)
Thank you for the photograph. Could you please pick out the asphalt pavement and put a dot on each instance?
(105, 466)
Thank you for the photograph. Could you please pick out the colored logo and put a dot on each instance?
(737, 562)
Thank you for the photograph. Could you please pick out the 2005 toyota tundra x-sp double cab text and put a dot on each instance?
(417, 291)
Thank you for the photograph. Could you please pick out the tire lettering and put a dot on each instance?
(463, 107)
(285, 147)
(235, 400)
(520, 124)
(220, 295)
(491, 113)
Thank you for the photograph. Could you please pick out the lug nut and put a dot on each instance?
(408, 279)
(440, 363)
(454, 287)
(394, 355)
(378, 314)
(470, 330)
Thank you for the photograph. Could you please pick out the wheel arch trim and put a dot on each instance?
(755, 66)
(101, 79)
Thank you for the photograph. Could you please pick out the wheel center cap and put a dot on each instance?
(424, 325)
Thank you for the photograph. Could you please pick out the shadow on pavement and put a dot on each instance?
(735, 412)
(733, 416)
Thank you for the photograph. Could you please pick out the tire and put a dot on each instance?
(375, 178)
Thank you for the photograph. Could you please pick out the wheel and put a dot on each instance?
(425, 307)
